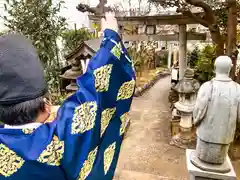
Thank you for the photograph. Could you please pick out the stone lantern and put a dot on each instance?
(72, 74)
(187, 89)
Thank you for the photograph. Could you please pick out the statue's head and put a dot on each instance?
(223, 65)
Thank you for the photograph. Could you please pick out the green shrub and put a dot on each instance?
(140, 57)
(237, 135)
(58, 99)
(204, 68)
(73, 38)
(193, 57)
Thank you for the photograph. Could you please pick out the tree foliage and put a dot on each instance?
(193, 57)
(72, 38)
(204, 69)
(216, 15)
(39, 20)
(142, 54)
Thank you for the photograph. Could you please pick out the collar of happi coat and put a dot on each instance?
(25, 126)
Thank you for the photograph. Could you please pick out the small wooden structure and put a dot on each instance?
(78, 60)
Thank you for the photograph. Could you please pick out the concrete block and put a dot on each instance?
(198, 174)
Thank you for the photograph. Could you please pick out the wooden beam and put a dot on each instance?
(171, 37)
(150, 20)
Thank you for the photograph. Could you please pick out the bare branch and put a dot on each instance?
(169, 3)
(207, 9)
(196, 18)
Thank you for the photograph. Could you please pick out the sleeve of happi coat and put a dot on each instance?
(92, 121)
(201, 105)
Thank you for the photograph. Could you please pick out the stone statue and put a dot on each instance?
(215, 115)
(95, 10)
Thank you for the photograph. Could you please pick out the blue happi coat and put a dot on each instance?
(84, 140)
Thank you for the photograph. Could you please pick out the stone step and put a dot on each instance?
(135, 175)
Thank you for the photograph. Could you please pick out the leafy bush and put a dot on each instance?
(72, 38)
(138, 56)
(58, 99)
(162, 58)
(193, 57)
(237, 135)
(142, 56)
(204, 69)
(39, 20)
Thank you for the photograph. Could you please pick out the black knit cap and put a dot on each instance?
(21, 72)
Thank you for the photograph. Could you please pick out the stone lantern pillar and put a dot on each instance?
(187, 89)
(182, 49)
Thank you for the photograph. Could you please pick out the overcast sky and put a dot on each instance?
(71, 13)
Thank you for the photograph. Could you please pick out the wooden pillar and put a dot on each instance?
(87, 62)
(175, 56)
(182, 50)
(84, 64)
(169, 57)
(101, 8)
(159, 44)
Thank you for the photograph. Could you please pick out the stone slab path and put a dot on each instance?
(146, 153)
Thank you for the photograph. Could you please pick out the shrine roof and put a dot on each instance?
(92, 44)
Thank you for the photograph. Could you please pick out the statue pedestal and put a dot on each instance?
(197, 174)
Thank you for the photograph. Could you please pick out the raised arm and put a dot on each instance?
(92, 121)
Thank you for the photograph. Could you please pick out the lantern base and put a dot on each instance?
(185, 139)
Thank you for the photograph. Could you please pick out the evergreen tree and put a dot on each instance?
(39, 20)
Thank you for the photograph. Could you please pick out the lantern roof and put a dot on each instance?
(188, 85)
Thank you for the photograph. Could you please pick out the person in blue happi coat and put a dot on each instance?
(84, 140)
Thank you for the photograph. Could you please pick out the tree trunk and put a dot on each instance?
(208, 20)
(231, 27)
(232, 33)
(217, 40)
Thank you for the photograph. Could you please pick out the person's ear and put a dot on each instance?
(47, 108)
